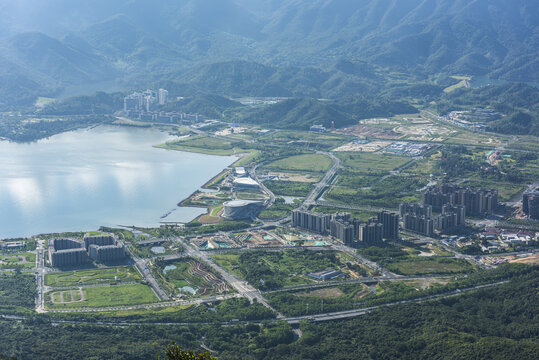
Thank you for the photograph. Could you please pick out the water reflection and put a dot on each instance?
(103, 176)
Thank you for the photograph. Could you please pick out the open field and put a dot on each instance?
(306, 139)
(205, 145)
(100, 296)
(464, 82)
(272, 270)
(387, 193)
(429, 265)
(349, 296)
(92, 276)
(506, 190)
(277, 211)
(295, 176)
(289, 188)
(306, 162)
(463, 137)
(12, 260)
(371, 146)
(369, 162)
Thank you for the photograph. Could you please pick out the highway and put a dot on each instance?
(268, 192)
(329, 316)
(353, 252)
(366, 280)
(145, 272)
(40, 276)
(241, 286)
(321, 185)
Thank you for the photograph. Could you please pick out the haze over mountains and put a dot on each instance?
(319, 48)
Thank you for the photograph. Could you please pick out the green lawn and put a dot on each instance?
(429, 265)
(206, 145)
(92, 276)
(461, 83)
(306, 162)
(11, 260)
(371, 162)
(105, 296)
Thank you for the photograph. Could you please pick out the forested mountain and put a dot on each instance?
(320, 48)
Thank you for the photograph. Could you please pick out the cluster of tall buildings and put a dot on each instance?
(349, 230)
(70, 252)
(419, 218)
(105, 247)
(530, 204)
(146, 100)
(476, 202)
(67, 252)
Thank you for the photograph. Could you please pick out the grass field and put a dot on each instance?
(461, 83)
(306, 139)
(102, 296)
(12, 260)
(205, 145)
(369, 162)
(429, 265)
(92, 276)
(306, 162)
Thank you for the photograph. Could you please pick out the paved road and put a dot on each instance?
(268, 192)
(292, 320)
(241, 286)
(149, 306)
(355, 281)
(320, 186)
(353, 252)
(350, 207)
(40, 276)
(143, 269)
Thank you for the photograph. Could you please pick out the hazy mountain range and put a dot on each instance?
(316, 48)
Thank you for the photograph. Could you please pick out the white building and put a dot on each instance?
(163, 96)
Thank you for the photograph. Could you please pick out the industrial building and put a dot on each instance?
(12, 245)
(241, 209)
(327, 274)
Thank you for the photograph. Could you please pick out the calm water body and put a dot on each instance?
(78, 181)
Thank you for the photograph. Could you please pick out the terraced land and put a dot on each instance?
(189, 277)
